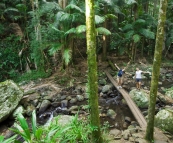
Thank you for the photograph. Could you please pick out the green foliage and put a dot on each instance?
(32, 75)
(102, 30)
(147, 33)
(9, 140)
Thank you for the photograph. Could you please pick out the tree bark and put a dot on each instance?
(156, 69)
(92, 72)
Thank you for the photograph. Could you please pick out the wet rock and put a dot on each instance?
(111, 113)
(164, 120)
(73, 108)
(140, 98)
(18, 110)
(79, 97)
(26, 100)
(44, 105)
(64, 103)
(126, 134)
(127, 119)
(31, 91)
(115, 132)
(102, 82)
(56, 104)
(106, 88)
(167, 98)
(10, 96)
(29, 110)
(62, 120)
(63, 97)
(125, 125)
(73, 100)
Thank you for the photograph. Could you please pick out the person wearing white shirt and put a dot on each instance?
(138, 77)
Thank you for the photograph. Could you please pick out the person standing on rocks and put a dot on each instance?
(120, 75)
(138, 77)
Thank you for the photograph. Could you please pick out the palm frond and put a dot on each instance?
(11, 9)
(66, 17)
(58, 17)
(75, 7)
(139, 23)
(59, 31)
(67, 56)
(99, 19)
(102, 30)
(70, 31)
(129, 34)
(81, 29)
(136, 38)
(147, 33)
(127, 27)
(110, 16)
(55, 47)
(130, 2)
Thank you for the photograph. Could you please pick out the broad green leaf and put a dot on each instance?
(34, 124)
(99, 19)
(147, 33)
(102, 30)
(136, 38)
(81, 29)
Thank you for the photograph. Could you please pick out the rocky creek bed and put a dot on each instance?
(49, 100)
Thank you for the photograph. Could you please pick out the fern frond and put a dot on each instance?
(147, 33)
(102, 30)
(66, 17)
(139, 23)
(99, 19)
(67, 56)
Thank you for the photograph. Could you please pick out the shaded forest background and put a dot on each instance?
(38, 36)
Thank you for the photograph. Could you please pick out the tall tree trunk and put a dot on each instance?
(92, 71)
(156, 69)
(104, 53)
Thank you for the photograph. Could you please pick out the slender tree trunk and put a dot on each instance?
(104, 53)
(92, 72)
(156, 69)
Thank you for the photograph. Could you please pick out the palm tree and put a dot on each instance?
(156, 69)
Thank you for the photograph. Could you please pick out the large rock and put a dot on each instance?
(164, 120)
(10, 95)
(140, 98)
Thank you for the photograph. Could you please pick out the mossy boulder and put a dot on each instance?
(164, 120)
(141, 98)
(10, 95)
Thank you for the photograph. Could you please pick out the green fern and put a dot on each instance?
(70, 31)
(55, 47)
(129, 34)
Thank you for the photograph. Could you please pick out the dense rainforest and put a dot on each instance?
(39, 36)
(43, 38)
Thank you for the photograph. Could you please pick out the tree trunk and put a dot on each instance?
(156, 69)
(104, 53)
(92, 72)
